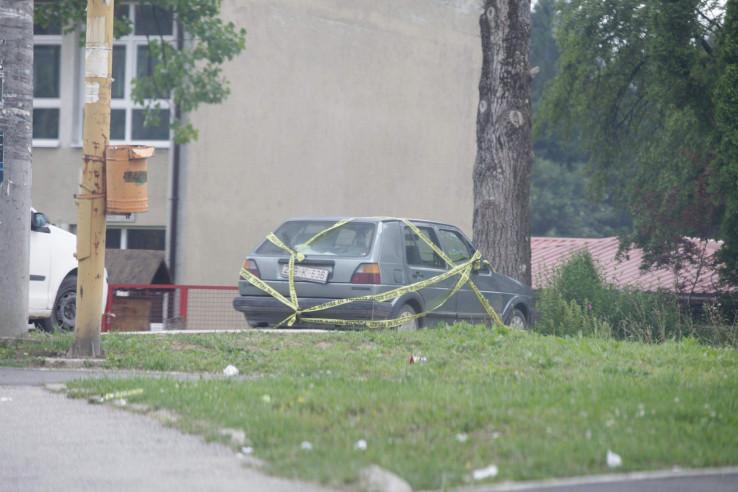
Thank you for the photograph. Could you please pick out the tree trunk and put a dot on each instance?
(504, 155)
(16, 110)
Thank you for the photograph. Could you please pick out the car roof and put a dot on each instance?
(365, 219)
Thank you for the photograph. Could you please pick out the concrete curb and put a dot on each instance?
(69, 363)
(601, 479)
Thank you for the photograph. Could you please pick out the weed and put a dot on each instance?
(579, 301)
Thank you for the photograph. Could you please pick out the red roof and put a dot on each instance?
(551, 252)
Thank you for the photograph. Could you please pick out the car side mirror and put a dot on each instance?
(39, 222)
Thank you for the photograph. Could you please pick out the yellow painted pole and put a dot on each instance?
(91, 196)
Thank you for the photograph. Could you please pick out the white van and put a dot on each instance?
(52, 292)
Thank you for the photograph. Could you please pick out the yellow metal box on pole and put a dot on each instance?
(127, 178)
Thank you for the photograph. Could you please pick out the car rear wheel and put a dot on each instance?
(517, 320)
(411, 324)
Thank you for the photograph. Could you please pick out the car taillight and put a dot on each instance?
(250, 265)
(367, 273)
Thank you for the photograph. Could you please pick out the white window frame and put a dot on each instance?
(49, 102)
(131, 43)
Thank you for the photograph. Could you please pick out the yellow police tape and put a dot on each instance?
(463, 270)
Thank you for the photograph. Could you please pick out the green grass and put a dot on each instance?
(536, 406)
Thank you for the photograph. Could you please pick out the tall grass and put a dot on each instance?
(579, 301)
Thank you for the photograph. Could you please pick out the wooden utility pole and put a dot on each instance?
(16, 109)
(91, 197)
(504, 155)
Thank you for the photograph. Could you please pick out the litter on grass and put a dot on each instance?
(360, 445)
(117, 395)
(231, 371)
(247, 450)
(417, 359)
(613, 459)
(462, 437)
(306, 446)
(488, 472)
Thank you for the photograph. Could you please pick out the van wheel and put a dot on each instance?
(411, 324)
(517, 320)
(64, 312)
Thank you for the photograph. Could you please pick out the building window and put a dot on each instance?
(131, 59)
(135, 238)
(47, 43)
(112, 238)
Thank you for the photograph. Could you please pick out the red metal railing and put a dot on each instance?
(141, 307)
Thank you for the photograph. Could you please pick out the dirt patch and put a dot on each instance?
(180, 346)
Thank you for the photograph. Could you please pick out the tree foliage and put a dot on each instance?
(726, 119)
(640, 85)
(561, 204)
(191, 72)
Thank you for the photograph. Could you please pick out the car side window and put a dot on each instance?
(454, 246)
(418, 252)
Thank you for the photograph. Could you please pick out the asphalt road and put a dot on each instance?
(37, 376)
(52, 443)
(15, 376)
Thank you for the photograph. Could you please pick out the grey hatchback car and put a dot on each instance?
(367, 256)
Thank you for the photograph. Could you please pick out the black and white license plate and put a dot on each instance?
(319, 275)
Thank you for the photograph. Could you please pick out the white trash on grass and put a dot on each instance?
(306, 446)
(231, 371)
(489, 472)
(461, 437)
(613, 459)
(360, 445)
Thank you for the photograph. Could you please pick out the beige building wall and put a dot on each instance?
(338, 107)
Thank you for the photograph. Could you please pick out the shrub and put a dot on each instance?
(578, 300)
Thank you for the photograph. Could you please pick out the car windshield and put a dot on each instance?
(351, 239)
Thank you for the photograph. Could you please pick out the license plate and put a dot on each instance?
(309, 274)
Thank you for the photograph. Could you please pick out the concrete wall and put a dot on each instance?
(338, 107)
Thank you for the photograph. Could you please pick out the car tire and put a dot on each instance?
(64, 312)
(410, 325)
(517, 320)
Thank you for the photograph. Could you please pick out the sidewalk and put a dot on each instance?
(54, 443)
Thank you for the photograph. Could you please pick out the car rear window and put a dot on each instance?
(351, 239)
